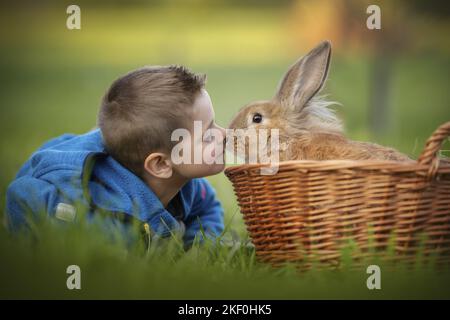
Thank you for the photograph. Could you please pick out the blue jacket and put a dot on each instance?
(52, 180)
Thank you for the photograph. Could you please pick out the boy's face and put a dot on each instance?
(207, 142)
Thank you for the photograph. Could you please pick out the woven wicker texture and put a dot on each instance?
(313, 209)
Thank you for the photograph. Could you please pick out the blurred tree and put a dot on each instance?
(394, 37)
(344, 23)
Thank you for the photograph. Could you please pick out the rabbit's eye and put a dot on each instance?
(257, 118)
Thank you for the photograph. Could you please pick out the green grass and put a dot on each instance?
(35, 267)
(52, 81)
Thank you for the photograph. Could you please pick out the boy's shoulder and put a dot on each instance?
(65, 152)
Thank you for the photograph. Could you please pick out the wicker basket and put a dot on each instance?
(311, 210)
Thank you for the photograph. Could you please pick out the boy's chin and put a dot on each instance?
(213, 169)
(201, 170)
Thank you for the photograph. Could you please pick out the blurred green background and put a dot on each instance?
(393, 83)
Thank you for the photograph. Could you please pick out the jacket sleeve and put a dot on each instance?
(28, 198)
(207, 214)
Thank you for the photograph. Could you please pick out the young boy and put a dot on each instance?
(125, 167)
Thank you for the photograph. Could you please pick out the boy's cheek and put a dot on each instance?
(210, 158)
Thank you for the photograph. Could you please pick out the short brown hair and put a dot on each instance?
(142, 108)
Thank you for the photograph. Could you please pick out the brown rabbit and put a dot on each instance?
(308, 129)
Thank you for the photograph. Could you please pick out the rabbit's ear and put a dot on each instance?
(305, 78)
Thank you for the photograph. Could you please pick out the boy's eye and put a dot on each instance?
(257, 118)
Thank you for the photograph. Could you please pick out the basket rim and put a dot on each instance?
(324, 165)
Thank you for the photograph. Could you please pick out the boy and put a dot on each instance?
(126, 167)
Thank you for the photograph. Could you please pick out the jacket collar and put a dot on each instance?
(114, 188)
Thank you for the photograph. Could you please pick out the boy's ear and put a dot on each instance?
(158, 165)
(305, 78)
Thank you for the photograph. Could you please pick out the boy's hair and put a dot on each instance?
(141, 109)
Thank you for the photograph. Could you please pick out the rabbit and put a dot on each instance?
(308, 129)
